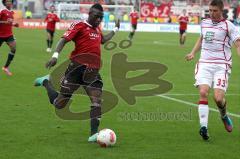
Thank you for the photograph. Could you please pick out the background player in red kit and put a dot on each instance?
(51, 20)
(134, 20)
(183, 21)
(83, 69)
(6, 33)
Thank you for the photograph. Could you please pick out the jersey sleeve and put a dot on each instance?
(72, 31)
(57, 19)
(179, 17)
(233, 32)
(100, 30)
(201, 25)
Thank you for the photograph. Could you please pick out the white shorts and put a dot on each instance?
(213, 75)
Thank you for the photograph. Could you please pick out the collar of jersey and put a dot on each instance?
(215, 22)
(4, 8)
(87, 23)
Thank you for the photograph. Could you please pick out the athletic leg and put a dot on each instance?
(12, 46)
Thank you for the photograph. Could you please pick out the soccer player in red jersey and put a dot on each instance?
(6, 33)
(83, 70)
(134, 20)
(51, 20)
(183, 21)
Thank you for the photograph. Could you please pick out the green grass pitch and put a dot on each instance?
(30, 128)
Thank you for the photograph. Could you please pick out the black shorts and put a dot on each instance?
(182, 31)
(7, 39)
(134, 26)
(78, 75)
(51, 32)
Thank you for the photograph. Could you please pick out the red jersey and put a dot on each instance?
(134, 17)
(51, 20)
(87, 44)
(6, 29)
(183, 21)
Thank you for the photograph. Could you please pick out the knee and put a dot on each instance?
(13, 50)
(218, 100)
(203, 93)
(96, 101)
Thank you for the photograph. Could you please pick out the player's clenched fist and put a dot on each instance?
(51, 63)
(189, 57)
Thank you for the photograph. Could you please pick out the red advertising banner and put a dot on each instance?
(150, 10)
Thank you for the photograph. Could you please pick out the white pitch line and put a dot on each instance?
(194, 105)
(164, 43)
(182, 94)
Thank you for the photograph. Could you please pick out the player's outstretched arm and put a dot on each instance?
(112, 33)
(9, 21)
(4, 22)
(195, 49)
(53, 61)
(237, 44)
(60, 45)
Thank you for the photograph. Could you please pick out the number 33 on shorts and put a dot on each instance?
(213, 75)
(221, 80)
(221, 83)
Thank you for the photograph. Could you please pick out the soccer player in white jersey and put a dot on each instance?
(214, 66)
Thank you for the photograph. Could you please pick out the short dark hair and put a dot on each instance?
(218, 3)
(4, 2)
(97, 6)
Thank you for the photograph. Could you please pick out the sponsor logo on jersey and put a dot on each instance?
(209, 36)
(94, 35)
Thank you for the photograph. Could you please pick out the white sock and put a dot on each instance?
(203, 112)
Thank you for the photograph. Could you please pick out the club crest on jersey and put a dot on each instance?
(209, 36)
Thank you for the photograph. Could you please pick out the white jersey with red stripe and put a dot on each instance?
(217, 41)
